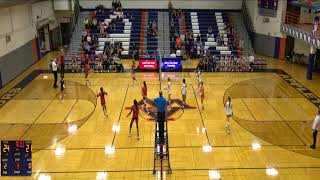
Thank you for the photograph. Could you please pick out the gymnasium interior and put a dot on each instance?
(72, 76)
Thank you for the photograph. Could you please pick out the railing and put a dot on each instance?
(75, 16)
(73, 22)
(246, 18)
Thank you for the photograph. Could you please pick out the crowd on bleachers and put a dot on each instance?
(95, 28)
(194, 45)
(152, 29)
(226, 63)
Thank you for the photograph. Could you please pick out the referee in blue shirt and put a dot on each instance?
(161, 104)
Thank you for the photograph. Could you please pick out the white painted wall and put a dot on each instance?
(301, 47)
(15, 21)
(273, 27)
(42, 10)
(20, 23)
(162, 4)
(61, 5)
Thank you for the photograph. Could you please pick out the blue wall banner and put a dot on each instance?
(171, 64)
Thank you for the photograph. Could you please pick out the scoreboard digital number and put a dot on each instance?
(16, 158)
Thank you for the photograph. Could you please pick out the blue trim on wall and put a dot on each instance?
(38, 48)
(0, 81)
(276, 47)
(148, 9)
(310, 66)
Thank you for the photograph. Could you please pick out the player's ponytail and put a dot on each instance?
(135, 103)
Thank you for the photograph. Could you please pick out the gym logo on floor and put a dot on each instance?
(175, 106)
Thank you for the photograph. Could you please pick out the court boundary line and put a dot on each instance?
(180, 169)
(25, 132)
(124, 100)
(283, 119)
(173, 147)
(194, 93)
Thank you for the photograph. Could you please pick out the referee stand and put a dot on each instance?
(161, 152)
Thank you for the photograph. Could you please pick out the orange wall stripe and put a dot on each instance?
(282, 49)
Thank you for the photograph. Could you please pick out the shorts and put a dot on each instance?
(184, 96)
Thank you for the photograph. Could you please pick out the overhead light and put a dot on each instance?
(101, 175)
(45, 77)
(203, 130)
(109, 149)
(214, 174)
(207, 148)
(272, 171)
(72, 128)
(44, 177)
(256, 146)
(59, 151)
(116, 128)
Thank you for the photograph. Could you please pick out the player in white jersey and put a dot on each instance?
(199, 77)
(184, 92)
(169, 93)
(315, 130)
(229, 113)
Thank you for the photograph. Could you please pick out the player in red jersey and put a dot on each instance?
(102, 93)
(133, 72)
(144, 92)
(86, 69)
(201, 94)
(135, 117)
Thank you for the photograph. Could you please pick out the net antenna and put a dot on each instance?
(159, 58)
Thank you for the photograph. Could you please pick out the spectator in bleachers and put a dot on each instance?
(198, 38)
(92, 61)
(74, 63)
(178, 43)
(210, 31)
(173, 55)
(84, 34)
(228, 63)
(86, 23)
(106, 63)
(99, 63)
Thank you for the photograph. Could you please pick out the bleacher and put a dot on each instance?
(120, 34)
(129, 30)
(152, 42)
(198, 21)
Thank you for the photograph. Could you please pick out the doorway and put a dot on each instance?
(44, 39)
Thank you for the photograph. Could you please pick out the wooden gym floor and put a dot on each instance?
(267, 110)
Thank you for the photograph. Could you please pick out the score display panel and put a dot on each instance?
(16, 158)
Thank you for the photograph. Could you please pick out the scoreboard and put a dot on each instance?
(16, 158)
(268, 4)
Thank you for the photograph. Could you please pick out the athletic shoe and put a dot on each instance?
(138, 137)
(312, 146)
(129, 135)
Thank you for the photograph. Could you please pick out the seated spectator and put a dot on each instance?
(86, 23)
(74, 63)
(173, 55)
(84, 34)
(178, 43)
(88, 38)
(210, 31)
(86, 47)
(198, 38)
